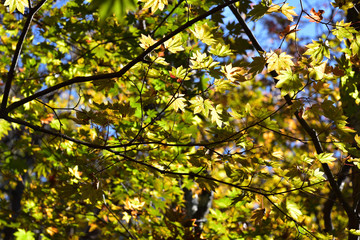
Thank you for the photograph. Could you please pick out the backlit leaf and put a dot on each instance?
(279, 62)
(284, 9)
(315, 16)
(179, 103)
(325, 157)
(155, 4)
(203, 33)
(16, 4)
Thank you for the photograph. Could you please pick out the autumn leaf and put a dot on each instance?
(174, 44)
(293, 210)
(257, 215)
(16, 4)
(315, 16)
(155, 4)
(179, 103)
(289, 82)
(289, 29)
(284, 9)
(203, 33)
(75, 172)
(279, 62)
(234, 74)
(47, 119)
(146, 41)
(325, 157)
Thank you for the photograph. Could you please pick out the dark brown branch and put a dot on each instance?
(44, 130)
(124, 69)
(19, 45)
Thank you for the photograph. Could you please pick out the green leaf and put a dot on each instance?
(259, 10)
(257, 65)
(325, 157)
(344, 31)
(155, 4)
(284, 9)
(108, 7)
(355, 232)
(180, 73)
(5, 127)
(221, 50)
(357, 140)
(278, 62)
(174, 44)
(203, 33)
(293, 210)
(289, 82)
(21, 234)
(317, 51)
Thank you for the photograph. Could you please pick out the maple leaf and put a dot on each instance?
(16, 4)
(284, 9)
(179, 103)
(215, 116)
(174, 44)
(146, 41)
(293, 209)
(257, 65)
(279, 62)
(221, 50)
(75, 172)
(288, 82)
(234, 74)
(155, 4)
(315, 16)
(203, 32)
(180, 73)
(289, 29)
(317, 51)
(201, 106)
(48, 119)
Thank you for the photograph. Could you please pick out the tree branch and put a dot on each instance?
(123, 70)
(11, 73)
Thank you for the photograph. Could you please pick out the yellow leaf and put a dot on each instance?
(203, 32)
(174, 44)
(179, 103)
(198, 104)
(293, 209)
(52, 230)
(74, 171)
(234, 73)
(146, 41)
(279, 62)
(284, 9)
(215, 116)
(16, 4)
(155, 4)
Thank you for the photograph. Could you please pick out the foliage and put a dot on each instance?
(113, 118)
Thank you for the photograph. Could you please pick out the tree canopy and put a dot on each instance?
(184, 119)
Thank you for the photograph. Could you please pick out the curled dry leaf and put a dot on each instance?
(289, 29)
(315, 16)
